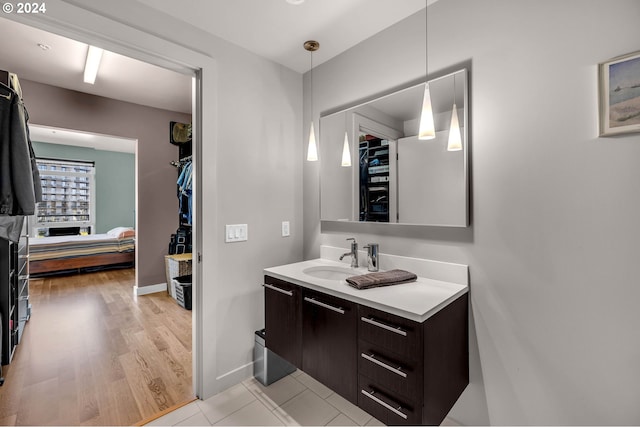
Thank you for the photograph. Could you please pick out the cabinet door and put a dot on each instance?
(330, 342)
(283, 323)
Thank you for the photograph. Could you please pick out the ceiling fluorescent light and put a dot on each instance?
(94, 56)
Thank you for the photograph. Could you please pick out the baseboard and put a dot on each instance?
(233, 377)
(151, 289)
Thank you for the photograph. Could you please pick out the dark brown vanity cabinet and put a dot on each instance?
(390, 366)
(409, 372)
(283, 319)
(400, 371)
(329, 340)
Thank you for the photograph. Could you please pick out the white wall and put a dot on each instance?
(251, 170)
(553, 247)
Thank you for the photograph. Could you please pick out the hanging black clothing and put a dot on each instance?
(20, 188)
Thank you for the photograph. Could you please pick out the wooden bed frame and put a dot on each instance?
(81, 262)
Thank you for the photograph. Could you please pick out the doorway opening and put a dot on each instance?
(139, 295)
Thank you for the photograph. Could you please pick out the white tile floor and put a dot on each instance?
(295, 400)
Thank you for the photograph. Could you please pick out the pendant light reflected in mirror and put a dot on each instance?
(427, 129)
(346, 153)
(312, 149)
(455, 138)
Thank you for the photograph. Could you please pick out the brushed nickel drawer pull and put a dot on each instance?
(277, 289)
(321, 304)
(396, 329)
(372, 359)
(370, 395)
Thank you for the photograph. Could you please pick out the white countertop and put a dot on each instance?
(415, 301)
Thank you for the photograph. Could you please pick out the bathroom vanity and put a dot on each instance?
(399, 352)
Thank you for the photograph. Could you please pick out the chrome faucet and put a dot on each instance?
(353, 254)
(372, 256)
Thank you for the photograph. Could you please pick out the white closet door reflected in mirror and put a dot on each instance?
(393, 176)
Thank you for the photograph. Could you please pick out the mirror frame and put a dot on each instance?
(463, 73)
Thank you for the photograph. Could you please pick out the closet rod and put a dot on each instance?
(180, 162)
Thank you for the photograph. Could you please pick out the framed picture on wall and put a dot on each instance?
(619, 93)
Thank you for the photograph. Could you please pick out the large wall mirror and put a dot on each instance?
(373, 167)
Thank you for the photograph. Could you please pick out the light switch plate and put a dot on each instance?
(285, 229)
(236, 233)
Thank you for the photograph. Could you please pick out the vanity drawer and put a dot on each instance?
(400, 335)
(386, 406)
(397, 373)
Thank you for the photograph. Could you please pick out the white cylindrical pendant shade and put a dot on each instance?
(427, 128)
(346, 153)
(312, 150)
(455, 139)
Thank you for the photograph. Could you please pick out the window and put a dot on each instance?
(68, 197)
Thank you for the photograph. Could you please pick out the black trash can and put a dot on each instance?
(183, 290)
(268, 367)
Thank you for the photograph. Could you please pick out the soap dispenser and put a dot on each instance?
(372, 256)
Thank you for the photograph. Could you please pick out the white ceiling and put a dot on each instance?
(62, 65)
(277, 30)
(273, 29)
(77, 138)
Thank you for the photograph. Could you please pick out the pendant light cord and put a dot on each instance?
(312, 154)
(311, 83)
(426, 41)
(454, 89)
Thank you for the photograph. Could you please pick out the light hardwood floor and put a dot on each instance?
(93, 354)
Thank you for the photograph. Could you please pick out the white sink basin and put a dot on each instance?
(328, 272)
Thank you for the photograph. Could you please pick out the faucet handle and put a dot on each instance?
(354, 244)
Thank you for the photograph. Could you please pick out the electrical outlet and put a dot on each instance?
(285, 229)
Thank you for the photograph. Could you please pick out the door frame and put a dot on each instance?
(65, 22)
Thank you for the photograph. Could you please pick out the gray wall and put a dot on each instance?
(553, 246)
(115, 182)
(157, 201)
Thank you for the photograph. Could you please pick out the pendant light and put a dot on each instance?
(455, 139)
(312, 150)
(427, 128)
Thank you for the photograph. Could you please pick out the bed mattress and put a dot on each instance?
(60, 247)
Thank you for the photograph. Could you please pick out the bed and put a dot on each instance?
(72, 254)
